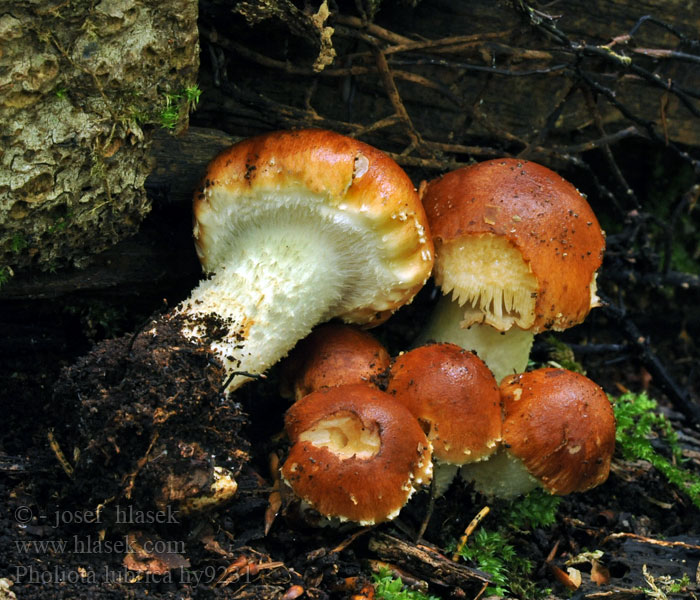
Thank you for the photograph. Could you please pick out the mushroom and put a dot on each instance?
(517, 247)
(332, 354)
(294, 228)
(357, 454)
(558, 433)
(455, 397)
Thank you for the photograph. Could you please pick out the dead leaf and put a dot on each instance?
(213, 546)
(150, 554)
(571, 579)
(599, 574)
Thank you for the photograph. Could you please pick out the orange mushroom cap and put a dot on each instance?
(338, 181)
(333, 354)
(454, 395)
(515, 243)
(561, 425)
(357, 454)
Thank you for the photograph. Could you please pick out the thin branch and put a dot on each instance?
(349, 71)
(451, 64)
(394, 97)
(680, 397)
(654, 21)
(372, 29)
(604, 140)
(662, 53)
(609, 156)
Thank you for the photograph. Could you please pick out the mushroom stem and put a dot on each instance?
(502, 475)
(269, 296)
(443, 476)
(504, 352)
(295, 228)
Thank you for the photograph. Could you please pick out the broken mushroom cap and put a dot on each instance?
(558, 433)
(333, 354)
(516, 244)
(357, 454)
(454, 396)
(295, 228)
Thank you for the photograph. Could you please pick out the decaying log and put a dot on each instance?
(426, 563)
(537, 80)
(180, 161)
(81, 87)
(145, 260)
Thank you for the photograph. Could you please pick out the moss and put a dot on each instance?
(388, 587)
(178, 106)
(638, 423)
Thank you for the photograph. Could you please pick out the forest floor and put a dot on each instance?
(66, 535)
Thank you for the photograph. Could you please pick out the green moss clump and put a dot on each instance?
(638, 422)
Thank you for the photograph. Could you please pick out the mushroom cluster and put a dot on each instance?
(299, 228)
(357, 453)
(361, 445)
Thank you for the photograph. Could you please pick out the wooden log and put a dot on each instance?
(426, 563)
(510, 77)
(180, 162)
(161, 255)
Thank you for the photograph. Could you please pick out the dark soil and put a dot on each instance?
(139, 423)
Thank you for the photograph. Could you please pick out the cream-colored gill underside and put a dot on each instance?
(382, 255)
(345, 436)
(489, 279)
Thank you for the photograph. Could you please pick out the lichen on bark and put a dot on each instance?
(81, 86)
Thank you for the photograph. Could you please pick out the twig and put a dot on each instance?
(426, 562)
(648, 540)
(353, 70)
(372, 29)
(131, 477)
(62, 460)
(654, 21)
(451, 64)
(473, 524)
(666, 54)
(607, 152)
(605, 140)
(680, 397)
(605, 52)
(395, 98)
(233, 374)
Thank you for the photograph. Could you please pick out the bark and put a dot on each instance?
(426, 563)
(143, 263)
(82, 86)
(449, 81)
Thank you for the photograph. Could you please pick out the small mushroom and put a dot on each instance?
(357, 454)
(558, 433)
(517, 248)
(332, 354)
(455, 397)
(294, 228)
